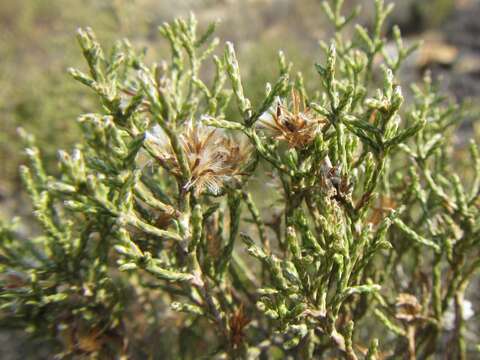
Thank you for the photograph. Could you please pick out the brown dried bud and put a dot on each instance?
(408, 308)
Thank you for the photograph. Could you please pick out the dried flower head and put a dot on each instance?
(237, 323)
(408, 308)
(295, 124)
(213, 157)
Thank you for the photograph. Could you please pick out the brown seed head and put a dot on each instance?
(237, 323)
(408, 308)
(296, 124)
(213, 157)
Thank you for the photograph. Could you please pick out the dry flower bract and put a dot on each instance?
(237, 323)
(408, 307)
(294, 123)
(214, 158)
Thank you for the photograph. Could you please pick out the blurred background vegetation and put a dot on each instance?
(37, 45)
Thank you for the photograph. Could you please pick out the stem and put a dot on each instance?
(411, 342)
(460, 325)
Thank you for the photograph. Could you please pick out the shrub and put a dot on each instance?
(156, 244)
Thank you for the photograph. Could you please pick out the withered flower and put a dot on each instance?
(237, 323)
(213, 157)
(294, 123)
(408, 308)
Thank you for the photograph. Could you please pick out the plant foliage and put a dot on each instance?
(156, 244)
